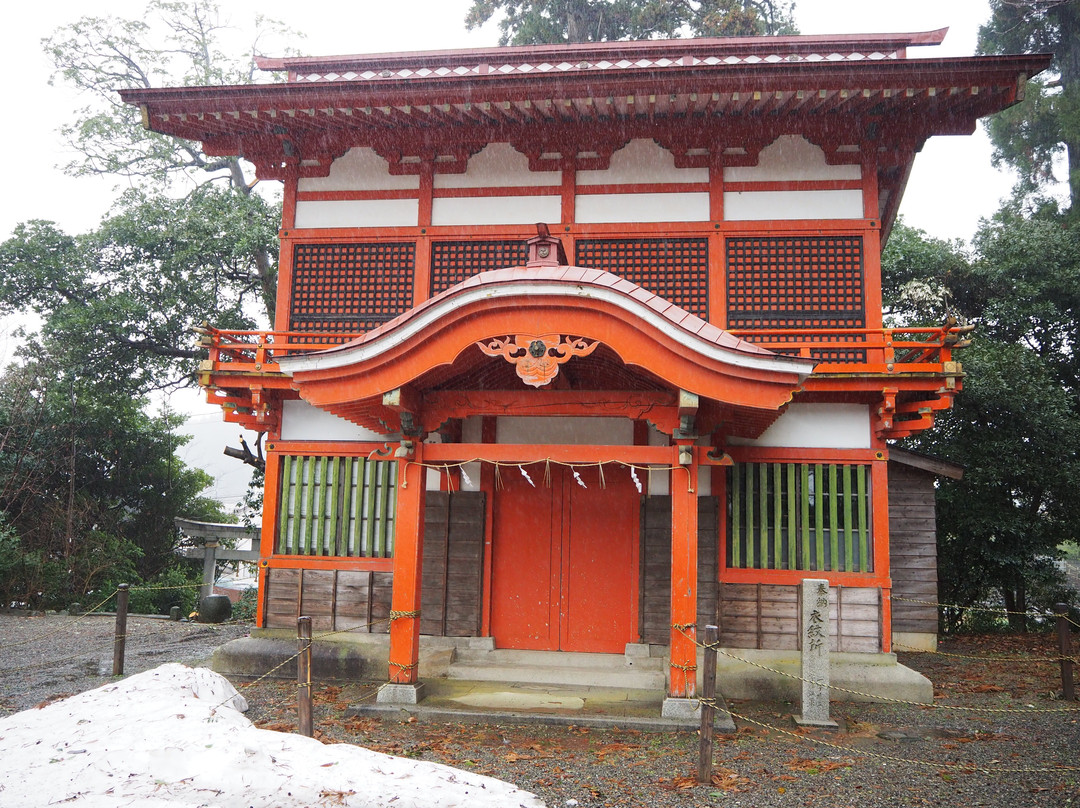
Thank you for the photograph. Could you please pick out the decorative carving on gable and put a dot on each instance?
(537, 358)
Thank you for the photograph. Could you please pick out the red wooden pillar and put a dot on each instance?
(879, 507)
(408, 562)
(684, 564)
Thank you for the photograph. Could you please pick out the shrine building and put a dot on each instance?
(580, 348)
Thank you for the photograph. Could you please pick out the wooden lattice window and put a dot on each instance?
(336, 506)
(455, 261)
(348, 288)
(806, 283)
(800, 516)
(675, 269)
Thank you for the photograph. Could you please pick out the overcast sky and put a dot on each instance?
(951, 187)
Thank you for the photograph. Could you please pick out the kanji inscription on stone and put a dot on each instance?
(815, 653)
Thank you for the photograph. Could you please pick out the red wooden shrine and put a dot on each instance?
(667, 403)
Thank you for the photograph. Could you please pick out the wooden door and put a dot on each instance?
(565, 562)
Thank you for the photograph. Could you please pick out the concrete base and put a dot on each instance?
(914, 641)
(393, 693)
(871, 675)
(343, 657)
(681, 709)
(802, 722)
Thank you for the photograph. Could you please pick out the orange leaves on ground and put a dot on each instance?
(277, 726)
(810, 766)
(727, 780)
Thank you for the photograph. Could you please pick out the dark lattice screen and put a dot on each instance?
(675, 269)
(812, 283)
(344, 288)
(454, 261)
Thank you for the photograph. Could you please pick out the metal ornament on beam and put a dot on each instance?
(537, 357)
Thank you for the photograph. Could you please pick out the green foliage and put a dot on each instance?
(229, 236)
(244, 608)
(1032, 135)
(89, 483)
(176, 585)
(532, 22)
(120, 302)
(1016, 425)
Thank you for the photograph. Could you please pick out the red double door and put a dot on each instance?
(565, 560)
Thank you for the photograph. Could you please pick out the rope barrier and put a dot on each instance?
(880, 698)
(397, 615)
(969, 767)
(982, 609)
(1036, 660)
(62, 629)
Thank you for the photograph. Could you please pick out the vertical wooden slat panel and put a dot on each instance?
(778, 517)
(804, 507)
(336, 489)
(864, 533)
(819, 515)
(285, 503)
(763, 505)
(849, 527)
(752, 560)
(367, 477)
(383, 490)
(834, 518)
(309, 503)
(736, 537)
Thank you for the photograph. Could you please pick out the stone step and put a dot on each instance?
(554, 674)
(515, 658)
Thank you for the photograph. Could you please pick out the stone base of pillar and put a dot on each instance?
(681, 709)
(828, 723)
(395, 693)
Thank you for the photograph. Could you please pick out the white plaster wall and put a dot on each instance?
(360, 169)
(570, 431)
(791, 157)
(742, 206)
(641, 161)
(659, 479)
(301, 421)
(496, 210)
(358, 213)
(818, 426)
(609, 208)
(498, 165)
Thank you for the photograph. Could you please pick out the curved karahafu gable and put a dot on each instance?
(593, 306)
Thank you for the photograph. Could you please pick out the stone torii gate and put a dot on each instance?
(211, 535)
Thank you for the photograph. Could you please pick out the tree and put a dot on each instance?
(1016, 425)
(1032, 135)
(89, 486)
(120, 302)
(526, 22)
(186, 43)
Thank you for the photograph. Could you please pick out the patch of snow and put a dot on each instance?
(175, 736)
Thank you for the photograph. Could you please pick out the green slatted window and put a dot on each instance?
(336, 506)
(800, 516)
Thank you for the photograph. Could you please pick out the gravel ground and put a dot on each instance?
(884, 755)
(47, 657)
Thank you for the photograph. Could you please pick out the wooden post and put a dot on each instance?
(408, 564)
(684, 571)
(303, 675)
(120, 635)
(708, 705)
(1064, 633)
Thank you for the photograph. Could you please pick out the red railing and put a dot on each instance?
(842, 351)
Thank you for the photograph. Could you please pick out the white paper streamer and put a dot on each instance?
(577, 477)
(525, 474)
(465, 476)
(634, 477)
